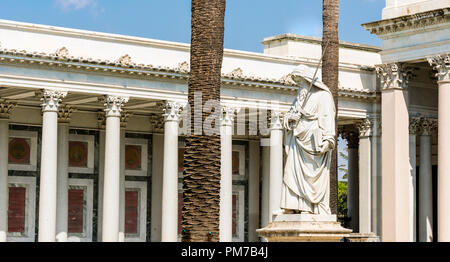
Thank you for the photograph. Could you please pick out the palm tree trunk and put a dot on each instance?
(330, 77)
(201, 184)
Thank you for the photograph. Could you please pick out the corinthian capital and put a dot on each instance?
(427, 125)
(441, 64)
(394, 75)
(276, 120)
(365, 127)
(114, 105)
(124, 116)
(5, 108)
(172, 111)
(227, 116)
(414, 125)
(64, 113)
(51, 99)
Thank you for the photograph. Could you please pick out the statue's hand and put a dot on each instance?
(325, 147)
(290, 119)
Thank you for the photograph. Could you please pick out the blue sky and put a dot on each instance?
(247, 22)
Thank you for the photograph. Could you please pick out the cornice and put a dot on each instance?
(124, 66)
(318, 40)
(407, 22)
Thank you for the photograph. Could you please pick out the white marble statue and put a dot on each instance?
(309, 141)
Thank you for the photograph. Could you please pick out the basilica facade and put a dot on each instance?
(92, 130)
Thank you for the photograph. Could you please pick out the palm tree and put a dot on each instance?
(201, 184)
(330, 71)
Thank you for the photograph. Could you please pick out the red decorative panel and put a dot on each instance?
(76, 210)
(234, 214)
(133, 158)
(78, 153)
(16, 212)
(235, 162)
(180, 159)
(19, 151)
(180, 210)
(131, 212)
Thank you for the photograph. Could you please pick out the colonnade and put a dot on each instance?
(399, 131)
(53, 194)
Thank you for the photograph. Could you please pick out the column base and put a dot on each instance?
(304, 228)
(362, 237)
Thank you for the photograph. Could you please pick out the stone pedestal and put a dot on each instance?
(362, 237)
(304, 228)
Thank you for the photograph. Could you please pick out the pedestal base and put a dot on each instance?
(362, 237)
(304, 228)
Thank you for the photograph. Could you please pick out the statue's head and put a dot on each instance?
(303, 76)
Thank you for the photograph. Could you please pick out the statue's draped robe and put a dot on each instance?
(306, 181)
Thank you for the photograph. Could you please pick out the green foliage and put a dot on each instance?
(342, 199)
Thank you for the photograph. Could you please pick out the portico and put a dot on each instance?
(93, 139)
(413, 76)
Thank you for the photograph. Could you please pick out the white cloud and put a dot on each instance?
(75, 4)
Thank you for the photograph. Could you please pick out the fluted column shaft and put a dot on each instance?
(111, 187)
(425, 183)
(169, 219)
(5, 109)
(4, 190)
(442, 65)
(226, 179)
(49, 153)
(276, 164)
(413, 130)
(365, 168)
(265, 169)
(352, 138)
(395, 152)
(62, 205)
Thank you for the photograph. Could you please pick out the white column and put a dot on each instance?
(413, 128)
(395, 153)
(253, 191)
(157, 177)
(169, 219)
(125, 114)
(5, 108)
(365, 168)
(111, 187)
(265, 170)
(426, 182)
(226, 175)
(376, 176)
(48, 181)
(352, 179)
(441, 64)
(101, 173)
(62, 206)
(276, 164)
(122, 184)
